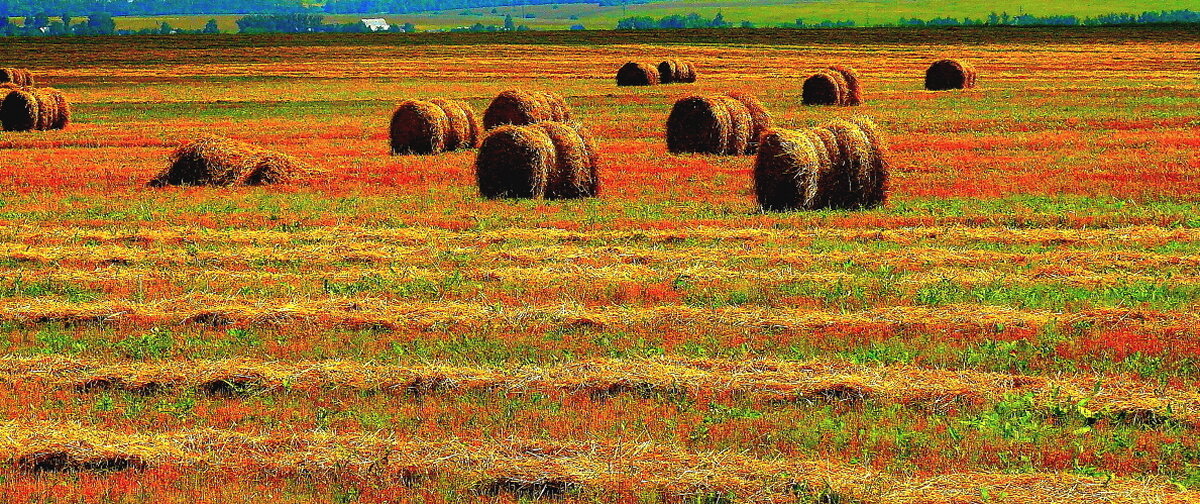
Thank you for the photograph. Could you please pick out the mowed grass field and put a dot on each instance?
(1017, 325)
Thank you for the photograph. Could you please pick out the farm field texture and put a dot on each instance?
(1017, 324)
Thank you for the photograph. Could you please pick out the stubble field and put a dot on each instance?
(1017, 324)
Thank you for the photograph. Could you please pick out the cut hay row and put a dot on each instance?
(947, 74)
(434, 126)
(17, 76)
(543, 160)
(761, 381)
(837, 85)
(637, 74)
(719, 125)
(520, 108)
(218, 161)
(842, 165)
(33, 109)
(534, 468)
(676, 71)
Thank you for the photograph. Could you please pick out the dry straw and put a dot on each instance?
(741, 125)
(19, 111)
(676, 71)
(854, 95)
(523, 107)
(950, 74)
(62, 108)
(47, 109)
(16, 76)
(549, 160)
(787, 160)
(464, 124)
(841, 165)
(699, 124)
(419, 127)
(826, 87)
(637, 74)
(761, 118)
(574, 172)
(218, 161)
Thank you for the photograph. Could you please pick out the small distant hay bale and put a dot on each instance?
(854, 95)
(784, 169)
(676, 71)
(47, 109)
(522, 108)
(825, 87)
(574, 174)
(218, 161)
(418, 127)
(687, 74)
(762, 118)
(699, 124)
(637, 74)
(741, 126)
(19, 111)
(947, 74)
(464, 124)
(515, 162)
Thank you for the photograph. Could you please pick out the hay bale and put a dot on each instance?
(9, 75)
(637, 74)
(521, 108)
(559, 111)
(419, 127)
(668, 71)
(824, 183)
(27, 79)
(762, 118)
(574, 172)
(947, 74)
(62, 106)
(783, 171)
(741, 126)
(463, 132)
(854, 95)
(855, 175)
(699, 124)
(688, 73)
(825, 87)
(515, 162)
(19, 111)
(876, 185)
(47, 109)
(218, 161)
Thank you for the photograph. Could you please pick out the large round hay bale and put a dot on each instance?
(559, 111)
(9, 75)
(47, 109)
(219, 161)
(875, 190)
(637, 74)
(854, 166)
(515, 162)
(824, 184)
(463, 130)
(518, 108)
(574, 172)
(825, 87)
(19, 111)
(668, 71)
(27, 79)
(698, 124)
(593, 154)
(949, 74)
(854, 94)
(419, 127)
(741, 126)
(762, 118)
(62, 106)
(783, 171)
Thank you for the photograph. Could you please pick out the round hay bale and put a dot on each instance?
(218, 161)
(855, 174)
(63, 107)
(515, 162)
(762, 118)
(875, 192)
(9, 75)
(824, 183)
(741, 126)
(27, 79)
(947, 74)
(574, 172)
(419, 127)
(698, 124)
(593, 154)
(783, 171)
(687, 73)
(47, 110)
(559, 111)
(668, 71)
(463, 124)
(637, 74)
(19, 111)
(825, 87)
(854, 94)
(518, 108)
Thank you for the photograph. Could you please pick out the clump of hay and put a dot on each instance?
(47, 109)
(544, 160)
(464, 124)
(19, 111)
(841, 165)
(63, 107)
(637, 74)
(419, 127)
(761, 118)
(826, 87)
(521, 108)
(854, 95)
(218, 161)
(16, 76)
(950, 74)
(727, 125)
(674, 71)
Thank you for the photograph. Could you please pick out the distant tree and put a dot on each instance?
(410, 28)
(211, 27)
(508, 23)
(578, 27)
(165, 28)
(101, 23)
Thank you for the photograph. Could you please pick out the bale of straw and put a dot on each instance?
(63, 108)
(854, 95)
(574, 172)
(47, 109)
(637, 74)
(559, 111)
(518, 108)
(9, 75)
(687, 73)
(762, 118)
(783, 171)
(855, 175)
(825, 182)
(699, 124)
(218, 161)
(19, 111)
(949, 74)
(515, 162)
(593, 154)
(668, 71)
(464, 127)
(825, 87)
(876, 184)
(419, 127)
(741, 126)
(27, 79)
